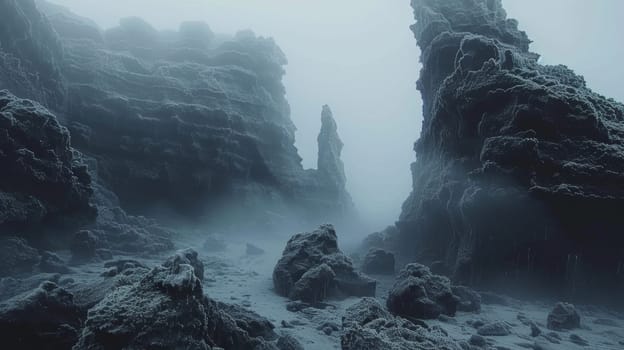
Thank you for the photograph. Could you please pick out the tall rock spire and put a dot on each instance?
(330, 146)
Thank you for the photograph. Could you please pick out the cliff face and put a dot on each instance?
(30, 54)
(41, 179)
(186, 120)
(519, 166)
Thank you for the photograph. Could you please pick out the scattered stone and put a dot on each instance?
(469, 300)
(44, 318)
(497, 328)
(286, 324)
(252, 250)
(576, 339)
(254, 324)
(378, 261)
(418, 293)
(312, 269)
(563, 317)
(296, 306)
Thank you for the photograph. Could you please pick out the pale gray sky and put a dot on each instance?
(359, 56)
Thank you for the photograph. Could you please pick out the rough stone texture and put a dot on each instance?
(30, 54)
(563, 317)
(192, 122)
(368, 326)
(312, 268)
(496, 329)
(378, 261)
(166, 309)
(520, 165)
(44, 318)
(16, 256)
(417, 293)
(41, 181)
(52, 263)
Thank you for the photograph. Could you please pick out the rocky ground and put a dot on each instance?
(238, 273)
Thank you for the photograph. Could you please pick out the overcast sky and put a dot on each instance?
(359, 56)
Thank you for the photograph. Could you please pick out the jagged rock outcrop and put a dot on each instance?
(378, 261)
(167, 309)
(312, 268)
(520, 165)
(41, 182)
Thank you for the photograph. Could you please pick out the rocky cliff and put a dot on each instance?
(520, 166)
(186, 121)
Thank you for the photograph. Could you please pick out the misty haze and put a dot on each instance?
(275, 174)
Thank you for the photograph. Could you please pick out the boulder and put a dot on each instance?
(378, 261)
(563, 317)
(288, 342)
(312, 268)
(368, 326)
(417, 293)
(44, 318)
(167, 308)
(497, 328)
(188, 257)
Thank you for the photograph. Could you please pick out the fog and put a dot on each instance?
(361, 59)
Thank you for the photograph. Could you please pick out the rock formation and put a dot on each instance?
(312, 268)
(367, 326)
(41, 179)
(520, 165)
(417, 293)
(192, 121)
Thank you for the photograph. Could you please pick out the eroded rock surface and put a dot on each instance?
(167, 309)
(417, 293)
(368, 326)
(312, 268)
(378, 261)
(520, 165)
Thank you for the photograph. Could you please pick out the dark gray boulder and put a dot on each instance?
(166, 308)
(44, 318)
(563, 317)
(519, 165)
(417, 293)
(368, 326)
(288, 342)
(378, 261)
(188, 257)
(312, 268)
(497, 329)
